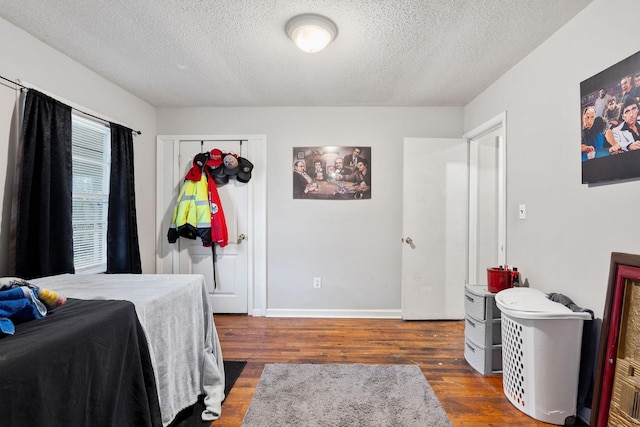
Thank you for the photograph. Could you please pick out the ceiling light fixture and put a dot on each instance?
(311, 32)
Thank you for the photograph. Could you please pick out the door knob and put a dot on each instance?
(408, 240)
(241, 237)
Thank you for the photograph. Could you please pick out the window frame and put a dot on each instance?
(92, 204)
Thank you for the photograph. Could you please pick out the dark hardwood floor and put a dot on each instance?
(469, 398)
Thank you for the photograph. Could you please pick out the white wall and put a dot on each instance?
(354, 246)
(25, 57)
(565, 243)
(8, 116)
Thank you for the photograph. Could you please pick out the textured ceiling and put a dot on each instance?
(188, 53)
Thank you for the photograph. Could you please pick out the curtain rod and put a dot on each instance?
(214, 140)
(73, 108)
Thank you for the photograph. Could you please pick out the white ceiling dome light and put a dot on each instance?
(311, 32)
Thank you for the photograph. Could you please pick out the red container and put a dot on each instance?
(498, 279)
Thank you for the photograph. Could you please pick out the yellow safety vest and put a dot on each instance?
(192, 212)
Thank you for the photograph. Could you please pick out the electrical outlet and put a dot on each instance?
(317, 282)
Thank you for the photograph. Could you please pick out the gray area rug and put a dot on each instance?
(354, 395)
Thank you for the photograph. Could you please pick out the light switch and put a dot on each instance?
(522, 211)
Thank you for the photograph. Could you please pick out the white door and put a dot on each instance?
(228, 293)
(434, 224)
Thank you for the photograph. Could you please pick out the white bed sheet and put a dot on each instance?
(178, 322)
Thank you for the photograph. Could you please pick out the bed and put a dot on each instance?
(175, 315)
(49, 366)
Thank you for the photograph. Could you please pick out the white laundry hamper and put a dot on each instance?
(541, 345)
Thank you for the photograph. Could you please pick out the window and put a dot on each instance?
(91, 153)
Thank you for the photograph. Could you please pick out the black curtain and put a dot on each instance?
(43, 208)
(123, 251)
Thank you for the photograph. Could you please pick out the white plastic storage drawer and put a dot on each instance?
(477, 305)
(483, 333)
(485, 361)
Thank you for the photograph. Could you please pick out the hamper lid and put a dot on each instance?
(528, 303)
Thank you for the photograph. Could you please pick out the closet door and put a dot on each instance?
(228, 287)
(241, 266)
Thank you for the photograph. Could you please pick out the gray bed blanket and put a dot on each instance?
(175, 314)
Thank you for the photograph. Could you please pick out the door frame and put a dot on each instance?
(497, 122)
(168, 180)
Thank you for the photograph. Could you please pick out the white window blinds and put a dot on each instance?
(91, 147)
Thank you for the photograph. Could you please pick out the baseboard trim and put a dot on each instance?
(336, 314)
(257, 312)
